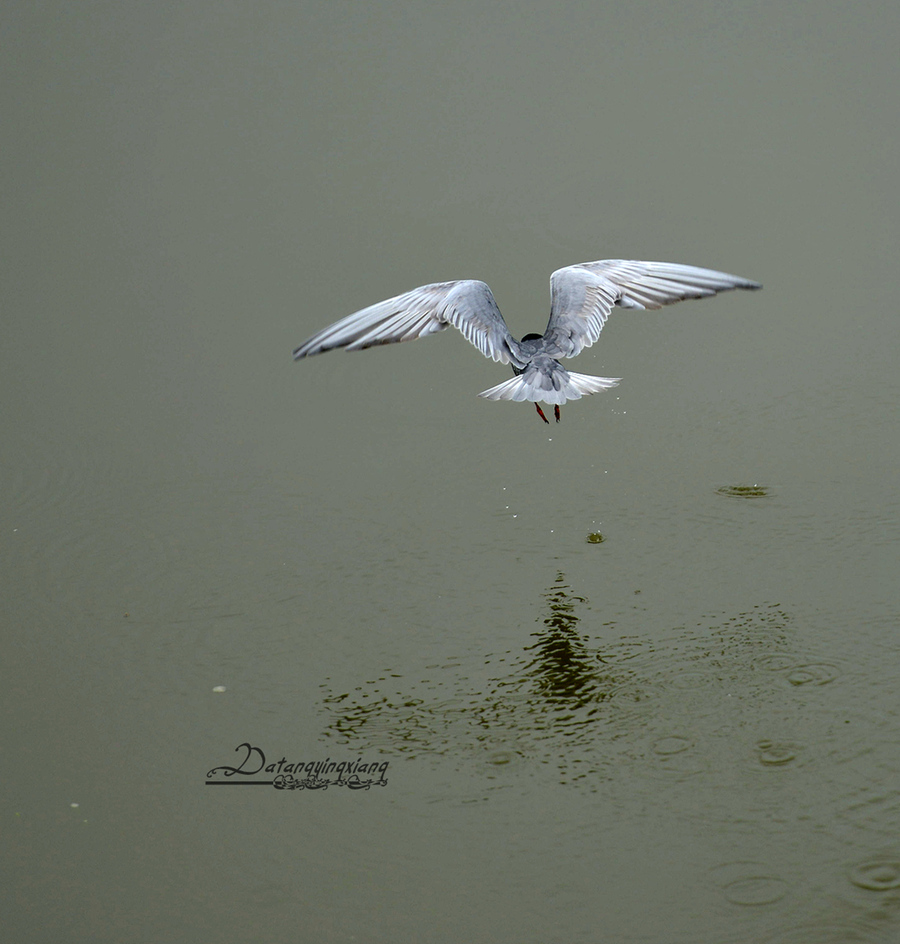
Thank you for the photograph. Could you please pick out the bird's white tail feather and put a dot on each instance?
(554, 388)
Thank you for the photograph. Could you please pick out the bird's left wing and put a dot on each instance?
(467, 305)
(583, 295)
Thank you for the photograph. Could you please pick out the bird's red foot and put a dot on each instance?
(537, 406)
(556, 413)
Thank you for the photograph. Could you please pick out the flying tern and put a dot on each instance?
(582, 296)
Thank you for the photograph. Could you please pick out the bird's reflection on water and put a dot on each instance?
(584, 703)
(556, 686)
(564, 670)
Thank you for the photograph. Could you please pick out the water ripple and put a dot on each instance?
(776, 755)
(744, 491)
(749, 884)
(877, 875)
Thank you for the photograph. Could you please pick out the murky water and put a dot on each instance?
(634, 677)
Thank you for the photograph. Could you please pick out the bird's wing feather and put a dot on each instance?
(467, 305)
(583, 295)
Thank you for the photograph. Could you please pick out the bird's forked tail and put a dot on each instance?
(554, 385)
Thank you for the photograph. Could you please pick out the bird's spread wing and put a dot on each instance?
(583, 295)
(467, 305)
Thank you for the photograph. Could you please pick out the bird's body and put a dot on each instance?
(582, 296)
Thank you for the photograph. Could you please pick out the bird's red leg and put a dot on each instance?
(537, 406)
(556, 412)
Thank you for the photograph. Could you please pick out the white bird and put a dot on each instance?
(582, 296)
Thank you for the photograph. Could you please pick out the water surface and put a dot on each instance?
(685, 731)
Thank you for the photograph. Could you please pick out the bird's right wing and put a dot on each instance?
(583, 295)
(467, 305)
